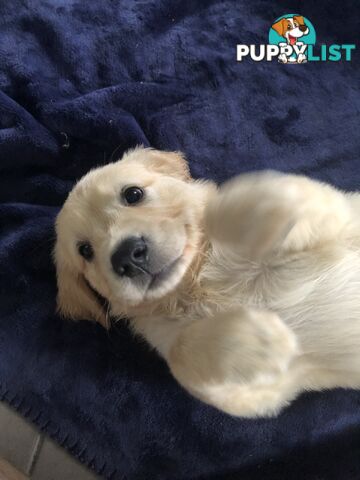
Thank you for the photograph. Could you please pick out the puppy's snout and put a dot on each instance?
(130, 258)
(303, 28)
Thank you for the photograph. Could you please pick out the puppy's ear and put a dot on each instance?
(280, 27)
(75, 300)
(167, 163)
(299, 19)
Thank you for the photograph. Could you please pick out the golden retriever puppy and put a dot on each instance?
(251, 292)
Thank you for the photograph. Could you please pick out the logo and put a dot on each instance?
(292, 39)
(293, 34)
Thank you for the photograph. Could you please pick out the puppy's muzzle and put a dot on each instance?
(130, 257)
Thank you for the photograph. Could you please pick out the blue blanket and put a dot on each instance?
(80, 83)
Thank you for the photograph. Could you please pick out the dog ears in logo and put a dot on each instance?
(280, 26)
(299, 19)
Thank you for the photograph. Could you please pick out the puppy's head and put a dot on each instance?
(291, 28)
(128, 231)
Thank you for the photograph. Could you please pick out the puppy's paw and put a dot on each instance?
(260, 346)
(240, 362)
(242, 347)
(255, 212)
(282, 58)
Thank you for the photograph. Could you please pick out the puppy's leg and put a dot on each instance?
(240, 362)
(262, 212)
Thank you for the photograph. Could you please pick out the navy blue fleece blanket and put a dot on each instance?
(80, 83)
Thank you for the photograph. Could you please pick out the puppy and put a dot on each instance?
(250, 292)
(292, 29)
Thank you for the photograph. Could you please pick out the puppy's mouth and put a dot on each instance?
(157, 279)
(292, 39)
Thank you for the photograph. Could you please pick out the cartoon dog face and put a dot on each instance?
(291, 28)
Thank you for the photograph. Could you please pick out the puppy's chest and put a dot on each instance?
(280, 284)
(226, 285)
(210, 297)
(287, 284)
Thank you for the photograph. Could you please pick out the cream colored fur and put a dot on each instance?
(264, 302)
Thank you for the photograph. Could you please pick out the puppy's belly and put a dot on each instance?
(324, 312)
(316, 293)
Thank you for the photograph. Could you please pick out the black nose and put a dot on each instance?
(130, 258)
(303, 28)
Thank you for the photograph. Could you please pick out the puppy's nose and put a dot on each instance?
(130, 258)
(303, 28)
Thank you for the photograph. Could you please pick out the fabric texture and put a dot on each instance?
(80, 83)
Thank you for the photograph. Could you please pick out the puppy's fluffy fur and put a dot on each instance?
(261, 296)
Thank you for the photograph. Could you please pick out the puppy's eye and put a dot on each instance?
(133, 195)
(86, 250)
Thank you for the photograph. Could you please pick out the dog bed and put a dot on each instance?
(80, 83)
